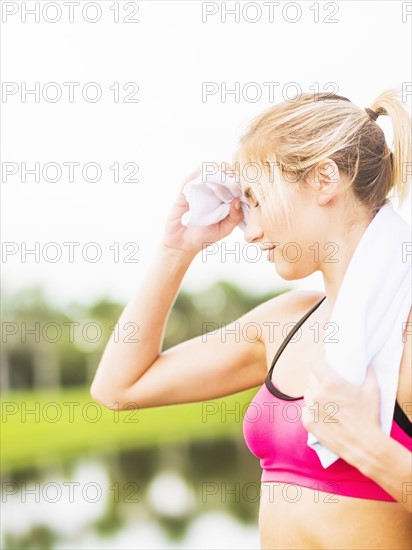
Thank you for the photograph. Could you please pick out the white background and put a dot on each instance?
(169, 53)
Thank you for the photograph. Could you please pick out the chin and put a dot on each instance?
(289, 272)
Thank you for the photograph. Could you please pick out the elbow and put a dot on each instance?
(101, 392)
(108, 399)
(96, 396)
(102, 397)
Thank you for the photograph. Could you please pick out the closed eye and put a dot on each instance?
(248, 194)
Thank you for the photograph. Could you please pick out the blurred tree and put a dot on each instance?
(46, 346)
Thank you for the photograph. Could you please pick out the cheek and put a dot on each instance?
(299, 241)
(297, 255)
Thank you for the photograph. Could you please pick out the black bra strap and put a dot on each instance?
(402, 420)
(291, 334)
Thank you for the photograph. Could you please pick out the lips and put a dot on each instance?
(270, 253)
(269, 250)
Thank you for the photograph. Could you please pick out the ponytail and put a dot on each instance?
(389, 103)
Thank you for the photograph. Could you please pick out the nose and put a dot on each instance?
(253, 229)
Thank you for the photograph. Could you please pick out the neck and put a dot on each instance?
(333, 273)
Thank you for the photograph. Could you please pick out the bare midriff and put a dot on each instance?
(301, 518)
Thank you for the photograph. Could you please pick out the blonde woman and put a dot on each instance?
(325, 172)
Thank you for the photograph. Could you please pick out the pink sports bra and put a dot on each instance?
(275, 434)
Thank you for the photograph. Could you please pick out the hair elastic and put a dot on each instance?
(371, 113)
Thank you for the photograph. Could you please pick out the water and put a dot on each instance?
(198, 495)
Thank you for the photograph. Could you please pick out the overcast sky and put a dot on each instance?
(163, 57)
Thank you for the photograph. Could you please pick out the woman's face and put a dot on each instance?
(301, 249)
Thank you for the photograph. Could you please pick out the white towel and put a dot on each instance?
(371, 311)
(209, 196)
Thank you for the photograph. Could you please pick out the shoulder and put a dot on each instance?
(288, 306)
(270, 318)
(293, 301)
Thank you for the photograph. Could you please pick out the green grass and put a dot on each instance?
(29, 439)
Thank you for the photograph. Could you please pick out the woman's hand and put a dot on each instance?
(193, 239)
(343, 416)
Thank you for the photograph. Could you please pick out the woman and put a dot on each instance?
(324, 170)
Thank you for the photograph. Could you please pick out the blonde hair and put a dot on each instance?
(285, 143)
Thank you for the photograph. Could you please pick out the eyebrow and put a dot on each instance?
(248, 193)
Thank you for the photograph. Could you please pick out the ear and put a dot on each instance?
(327, 179)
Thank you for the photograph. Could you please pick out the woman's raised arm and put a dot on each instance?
(210, 365)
